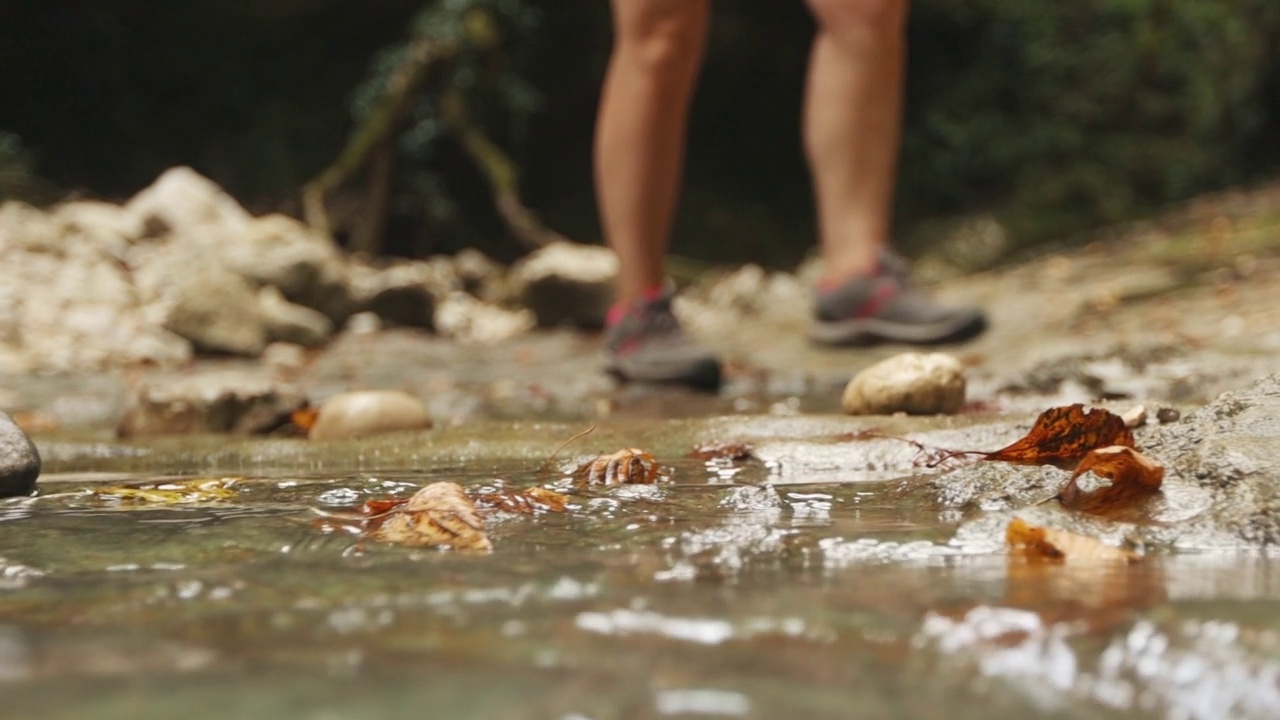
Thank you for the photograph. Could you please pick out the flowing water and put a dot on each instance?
(714, 595)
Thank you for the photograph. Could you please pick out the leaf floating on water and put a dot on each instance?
(628, 466)
(171, 492)
(439, 514)
(721, 450)
(1041, 544)
(1133, 477)
(525, 502)
(1066, 434)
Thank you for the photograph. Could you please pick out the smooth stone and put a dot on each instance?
(368, 412)
(19, 460)
(914, 383)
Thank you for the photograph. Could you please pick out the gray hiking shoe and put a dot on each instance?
(885, 307)
(648, 345)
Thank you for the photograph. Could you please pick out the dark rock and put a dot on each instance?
(215, 402)
(19, 460)
(564, 283)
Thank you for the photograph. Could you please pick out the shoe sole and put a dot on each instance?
(871, 331)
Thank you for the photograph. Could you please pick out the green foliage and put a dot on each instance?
(1066, 115)
(490, 36)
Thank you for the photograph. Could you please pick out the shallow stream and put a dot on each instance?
(753, 589)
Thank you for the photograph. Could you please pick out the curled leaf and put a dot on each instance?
(439, 514)
(304, 418)
(170, 492)
(1041, 544)
(627, 466)
(525, 502)
(1066, 434)
(1132, 475)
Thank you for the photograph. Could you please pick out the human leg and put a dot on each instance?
(852, 126)
(639, 155)
(640, 131)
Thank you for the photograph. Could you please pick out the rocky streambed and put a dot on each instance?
(813, 566)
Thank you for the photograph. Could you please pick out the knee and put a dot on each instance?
(863, 19)
(661, 34)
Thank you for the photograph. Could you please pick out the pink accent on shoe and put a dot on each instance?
(830, 284)
(885, 289)
(618, 311)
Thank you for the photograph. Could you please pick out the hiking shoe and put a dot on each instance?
(648, 345)
(885, 307)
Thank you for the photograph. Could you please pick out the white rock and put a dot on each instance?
(462, 317)
(916, 383)
(209, 402)
(368, 412)
(289, 322)
(566, 283)
(180, 200)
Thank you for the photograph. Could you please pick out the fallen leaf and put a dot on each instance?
(305, 417)
(718, 450)
(439, 514)
(171, 492)
(525, 502)
(1132, 475)
(35, 421)
(1066, 434)
(627, 466)
(1041, 544)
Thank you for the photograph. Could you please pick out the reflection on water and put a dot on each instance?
(692, 599)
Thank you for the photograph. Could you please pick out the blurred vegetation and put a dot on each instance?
(1051, 117)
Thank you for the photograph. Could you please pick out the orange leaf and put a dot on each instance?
(526, 502)
(627, 466)
(1133, 477)
(439, 514)
(1040, 544)
(305, 417)
(1066, 434)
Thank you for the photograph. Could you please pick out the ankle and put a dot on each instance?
(619, 310)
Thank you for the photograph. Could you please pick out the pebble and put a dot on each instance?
(914, 383)
(368, 412)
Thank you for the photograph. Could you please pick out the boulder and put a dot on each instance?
(19, 460)
(217, 310)
(368, 412)
(306, 267)
(567, 284)
(181, 200)
(914, 383)
(212, 402)
(291, 323)
(400, 295)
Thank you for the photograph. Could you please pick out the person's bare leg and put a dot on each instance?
(852, 119)
(640, 132)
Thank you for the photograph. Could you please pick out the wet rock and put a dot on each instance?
(19, 460)
(291, 323)
(213, 402)
(481, 276)
(1135, 417)
(915, 383)
(369, 412)
(462, 317)
(998, 486)
(567, 284)
(1168, 415)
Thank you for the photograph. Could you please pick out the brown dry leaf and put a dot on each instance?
(305, 417)
(171, 492)
(627, 466)
(1133, 477)
(439, 514)
(1041, 544)
(717, 450)
(525, 502)
(1066, 434)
